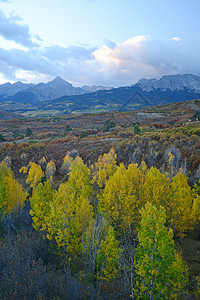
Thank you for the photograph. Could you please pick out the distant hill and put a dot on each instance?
(6, 115)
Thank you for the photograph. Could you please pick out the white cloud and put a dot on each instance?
(144, 56)
(176, 38)
(109, 64)
(12, 30)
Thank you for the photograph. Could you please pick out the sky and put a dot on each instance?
(98, 42)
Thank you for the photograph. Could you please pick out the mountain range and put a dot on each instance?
(32, 93)
(172, 82)
(61, 96)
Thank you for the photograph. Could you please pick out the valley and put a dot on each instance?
(54, 154)
(175, 124)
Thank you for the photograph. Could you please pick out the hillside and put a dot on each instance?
(51, 138)
(151, 135)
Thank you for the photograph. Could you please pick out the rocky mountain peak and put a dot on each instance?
(172, 82)
(59, 81)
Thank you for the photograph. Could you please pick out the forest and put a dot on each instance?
(108, 230)
(101, 206)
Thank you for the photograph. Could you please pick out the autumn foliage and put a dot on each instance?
(101, 214)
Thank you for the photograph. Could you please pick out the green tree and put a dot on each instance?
(28, 132)
(101, 253)
(83, 134)
(15, 133)
(2, 138)
(68, 128)
(136, 129)
(161, 273)
(108, 124)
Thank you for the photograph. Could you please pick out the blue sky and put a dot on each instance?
(109, 42)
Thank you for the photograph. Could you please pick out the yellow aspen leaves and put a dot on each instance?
(71, 211)
(101, 251)
(67, 161)
(181, 205)
(34, 174)
(161, 273)
(12, 195)
(50, 170)
(120, 200)
(40, 204)
(104, 168)
(156, 188)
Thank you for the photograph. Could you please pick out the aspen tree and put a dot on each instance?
(70, 210)
(12, 195)
(120, 201)
(50, 170)
(34, 174)
(181, 217)
(156, 188)
(104, 168)
(40, 204)
(161, 273)
(101, 252)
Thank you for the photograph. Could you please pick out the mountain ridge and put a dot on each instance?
(145, 93)
(31, 93)
(172, 82)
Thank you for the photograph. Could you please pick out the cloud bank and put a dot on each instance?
(144, 56)
(108, 64)
(11, 29)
